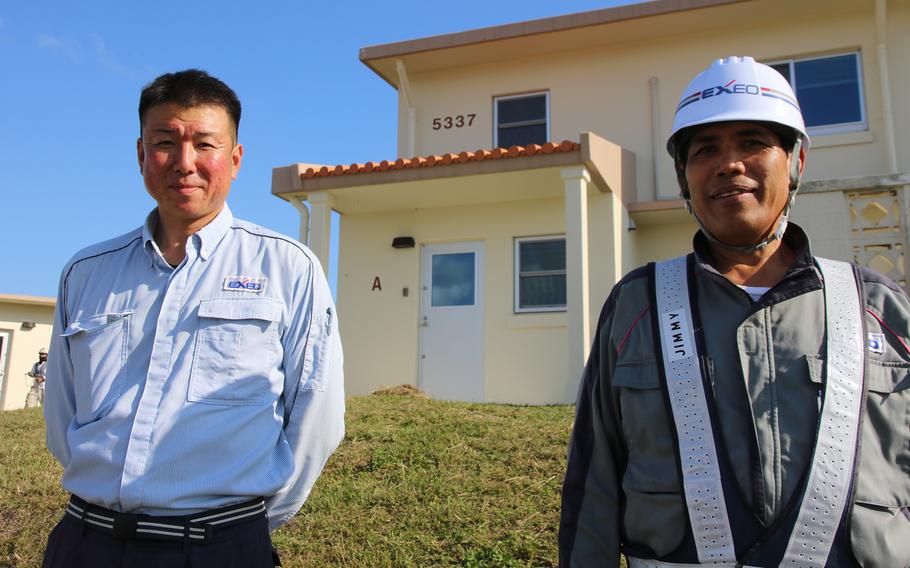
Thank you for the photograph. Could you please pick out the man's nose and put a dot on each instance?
(185, 160)
(730, 163)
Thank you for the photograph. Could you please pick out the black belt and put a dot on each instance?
(196, 528)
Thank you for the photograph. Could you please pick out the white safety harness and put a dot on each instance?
(827, 490)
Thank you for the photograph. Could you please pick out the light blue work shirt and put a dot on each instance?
(175, 390)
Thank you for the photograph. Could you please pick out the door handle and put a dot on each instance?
(425, 323)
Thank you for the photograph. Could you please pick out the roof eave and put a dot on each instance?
(372, 56)
(27, 300)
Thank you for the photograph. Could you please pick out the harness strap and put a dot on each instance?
(827, 491)
(695, 438)
(828, 488)
(633, 562)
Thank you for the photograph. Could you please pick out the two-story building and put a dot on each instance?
(532, 174)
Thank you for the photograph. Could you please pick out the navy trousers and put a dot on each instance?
(74, 545)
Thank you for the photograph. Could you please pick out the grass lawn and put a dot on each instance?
(416, 483)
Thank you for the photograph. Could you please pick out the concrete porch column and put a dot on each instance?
(320, 226)
(576, 181)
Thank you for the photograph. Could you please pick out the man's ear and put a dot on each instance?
(140, 154)
(797, 162)
(236, 159)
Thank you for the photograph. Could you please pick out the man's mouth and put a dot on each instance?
(731, 193)
(184, 189)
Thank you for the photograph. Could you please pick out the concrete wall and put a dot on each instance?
(606, 89)
(23, 347)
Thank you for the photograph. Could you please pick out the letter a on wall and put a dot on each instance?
(377, 285)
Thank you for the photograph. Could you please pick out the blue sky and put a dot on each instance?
(72, 73)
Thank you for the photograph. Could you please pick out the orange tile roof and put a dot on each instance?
(443, 160)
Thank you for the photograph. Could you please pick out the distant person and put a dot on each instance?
(196, 388)
(35, 396)
(746, 404)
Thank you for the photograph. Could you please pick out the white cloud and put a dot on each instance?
(89, 49)
(5, 36)
(69, 48)
(106, 58)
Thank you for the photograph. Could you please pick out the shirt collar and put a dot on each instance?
(207, 238)
(802, 276)
(210, 235)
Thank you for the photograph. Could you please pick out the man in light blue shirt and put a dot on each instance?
(195, 387)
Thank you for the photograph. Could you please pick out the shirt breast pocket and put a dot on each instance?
(98, 350)
(237, 352)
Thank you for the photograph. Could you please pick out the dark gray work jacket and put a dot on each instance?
(765, 363)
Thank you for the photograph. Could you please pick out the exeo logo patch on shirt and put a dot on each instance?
(244, 284)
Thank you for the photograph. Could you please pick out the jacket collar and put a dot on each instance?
(801, 277)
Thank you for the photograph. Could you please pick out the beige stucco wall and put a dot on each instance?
(899, 66)
(525, 353)
(825, 217)
(606, 89)
(663, 241)
(23, 348)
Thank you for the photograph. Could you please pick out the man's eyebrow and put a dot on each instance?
(702, 138)
(742, 133)
(173, 130)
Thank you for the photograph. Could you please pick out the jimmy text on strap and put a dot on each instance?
(827, 489)
(698, 454)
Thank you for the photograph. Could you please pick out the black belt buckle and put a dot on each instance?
(125, 526)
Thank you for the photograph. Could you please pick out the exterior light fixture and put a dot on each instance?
(403, 242)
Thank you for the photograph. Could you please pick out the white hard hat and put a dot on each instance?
(738, 88)
(42, 351)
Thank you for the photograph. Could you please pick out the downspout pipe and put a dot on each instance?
(405, 89)
(881, 32)
(657, 148)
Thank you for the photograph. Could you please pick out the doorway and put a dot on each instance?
(451, 358)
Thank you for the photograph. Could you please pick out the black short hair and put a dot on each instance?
(189, 88)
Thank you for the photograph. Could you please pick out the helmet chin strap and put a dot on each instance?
(776, 234)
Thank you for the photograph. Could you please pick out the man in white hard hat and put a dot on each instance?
(746, 404)
(35, 396)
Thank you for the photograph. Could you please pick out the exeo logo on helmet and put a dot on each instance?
(735, 88)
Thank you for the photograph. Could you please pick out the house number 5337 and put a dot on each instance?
(457, 121)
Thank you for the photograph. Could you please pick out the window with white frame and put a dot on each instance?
(540, 274)
(829, 91)
(520, 120)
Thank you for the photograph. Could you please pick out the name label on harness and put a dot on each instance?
(676, 331)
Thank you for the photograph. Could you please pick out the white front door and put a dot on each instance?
(4, 347)
(451, 322)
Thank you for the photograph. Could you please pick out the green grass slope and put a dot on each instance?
(416, 483)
